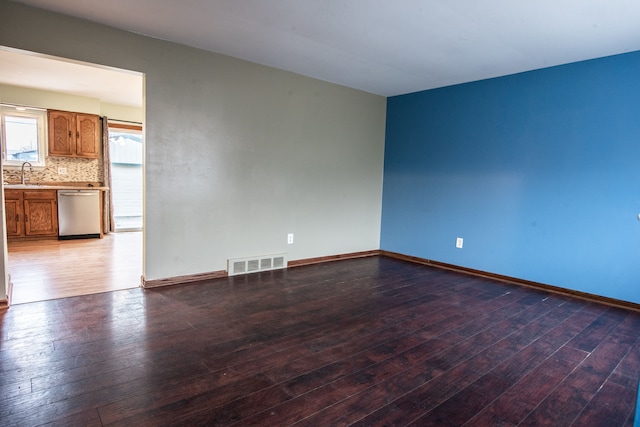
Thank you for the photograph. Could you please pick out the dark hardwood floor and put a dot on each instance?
(373, 341)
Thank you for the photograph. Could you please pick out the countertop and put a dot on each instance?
(51, 187)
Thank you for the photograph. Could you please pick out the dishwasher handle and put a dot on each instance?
(83, 193)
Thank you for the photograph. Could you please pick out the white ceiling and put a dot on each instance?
(44, 72)
(382, 46)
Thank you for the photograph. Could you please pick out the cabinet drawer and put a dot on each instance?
(13, 194)
(40, 195)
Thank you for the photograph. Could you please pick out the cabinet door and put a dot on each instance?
(62, 133)
(40, 213)
(14, 215)
(88, 136)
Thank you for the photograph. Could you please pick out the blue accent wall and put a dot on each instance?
(538, 172)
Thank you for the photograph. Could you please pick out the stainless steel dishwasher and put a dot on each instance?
(78, 214)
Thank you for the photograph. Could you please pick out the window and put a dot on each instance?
(125, 144)
(23, 135)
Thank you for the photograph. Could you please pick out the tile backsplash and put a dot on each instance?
(78, 170)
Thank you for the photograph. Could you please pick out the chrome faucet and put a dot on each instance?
(23, 182)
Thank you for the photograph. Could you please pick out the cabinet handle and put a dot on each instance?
(26, 218)
(77, 134)
(17, 218)
(69, 134)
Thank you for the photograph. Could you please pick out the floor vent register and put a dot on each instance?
(255, 264)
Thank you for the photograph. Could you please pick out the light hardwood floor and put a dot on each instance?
(49, 269)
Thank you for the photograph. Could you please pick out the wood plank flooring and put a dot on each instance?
(49, 269)
(367, 342)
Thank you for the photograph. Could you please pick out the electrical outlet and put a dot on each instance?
(62, 171)
(290, 239)
(459, 242)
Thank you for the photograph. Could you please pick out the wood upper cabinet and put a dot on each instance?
(74, 134)
(88, 136)
(61, 133)
(31, 213)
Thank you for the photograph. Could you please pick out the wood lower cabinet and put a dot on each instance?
(74, 134)
(14, 212)
(31, 213)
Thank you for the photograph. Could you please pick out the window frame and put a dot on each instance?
(40, 115)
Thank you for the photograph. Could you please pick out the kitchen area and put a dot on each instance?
(59, 221)
(38, 208)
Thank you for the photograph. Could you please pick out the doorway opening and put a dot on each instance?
(125, 143)
(36, 269)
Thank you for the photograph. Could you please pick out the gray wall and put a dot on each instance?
(237, 154)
